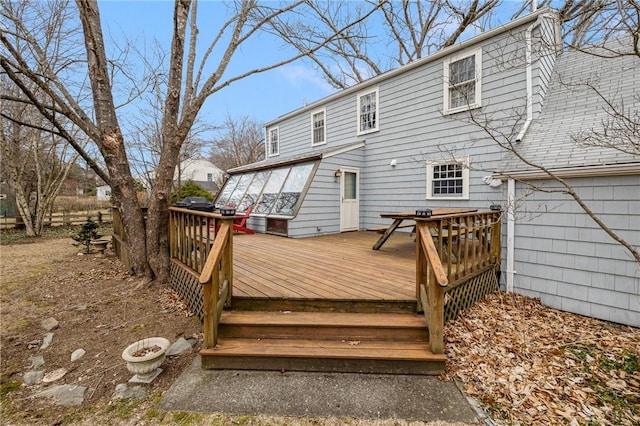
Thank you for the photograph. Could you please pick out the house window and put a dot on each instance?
(462, 82)
(368, 114)
(318, 127)
(448, 179)
(209, 177)
(274, 141)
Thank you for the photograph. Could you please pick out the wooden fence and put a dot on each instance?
(61, 219)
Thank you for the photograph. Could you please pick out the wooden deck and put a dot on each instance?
(339, 267)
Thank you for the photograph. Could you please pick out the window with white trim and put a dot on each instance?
(462, 88)
(368, 112)
(318, 127)
(273, 137)
(448, 179)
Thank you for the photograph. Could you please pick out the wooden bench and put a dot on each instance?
(382, 229)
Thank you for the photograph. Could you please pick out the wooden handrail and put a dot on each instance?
(452, 249)
(202, 244)
(432, 256)
(218, 268)
(216, 252)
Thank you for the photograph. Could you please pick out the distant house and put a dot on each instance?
(103, 193)
(201, 171)
(406, 139)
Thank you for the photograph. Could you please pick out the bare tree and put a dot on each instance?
(191, 80)
(411, 29)
(619, 130)
(36, 161)
(240, 141)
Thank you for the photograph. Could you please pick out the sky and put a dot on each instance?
(263, 96)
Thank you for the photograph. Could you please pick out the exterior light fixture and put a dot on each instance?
(337, 173)
(495, 207)
(423, 213)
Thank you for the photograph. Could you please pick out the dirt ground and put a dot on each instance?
(98, 309)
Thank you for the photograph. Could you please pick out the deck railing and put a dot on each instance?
(202, 243)
(451, 251)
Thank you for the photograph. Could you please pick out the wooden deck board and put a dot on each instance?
(341, 266)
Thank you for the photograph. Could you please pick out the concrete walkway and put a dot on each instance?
(302, 394)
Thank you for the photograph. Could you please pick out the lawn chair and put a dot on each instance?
(240, 222)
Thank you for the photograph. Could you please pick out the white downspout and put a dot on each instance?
(511, 219)
(529, 80)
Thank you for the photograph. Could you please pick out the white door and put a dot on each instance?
(350, 203)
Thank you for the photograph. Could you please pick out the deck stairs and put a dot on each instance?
(335, 336)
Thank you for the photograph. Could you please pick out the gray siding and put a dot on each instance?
(566, 260)
(412, 131)
(319, 213)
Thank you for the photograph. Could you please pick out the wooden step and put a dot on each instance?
(324, 326)
(241, 303)
(323, 355)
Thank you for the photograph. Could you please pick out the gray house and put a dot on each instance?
(429, 134)
(556, 251)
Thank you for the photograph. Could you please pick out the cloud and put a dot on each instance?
(300, 76)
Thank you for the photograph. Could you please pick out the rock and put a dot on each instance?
(37, 361)
(125, 392)
(192, 341)
(54, 375)
(81, 307)
(46, 341)
(66, 395)
(33, 344)
(77, 354)
(32, 377)
(49, 323)
(179, 347)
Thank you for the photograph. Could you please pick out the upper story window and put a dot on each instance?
(273, 139)
(368, 111)
(318, 127)
(462, 82)
(209, 177)
(448, 179)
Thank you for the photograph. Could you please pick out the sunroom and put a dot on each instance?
(294, 196)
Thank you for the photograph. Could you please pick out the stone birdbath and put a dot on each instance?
(144, 358)
(100, 246)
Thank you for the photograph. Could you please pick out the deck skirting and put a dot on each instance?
(185, 282)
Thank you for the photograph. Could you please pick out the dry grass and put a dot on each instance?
(78, 203)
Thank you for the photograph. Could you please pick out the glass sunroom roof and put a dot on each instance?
(278, 191)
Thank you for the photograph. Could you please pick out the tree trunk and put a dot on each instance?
(111, 143)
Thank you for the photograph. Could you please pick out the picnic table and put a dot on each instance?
(400, 217)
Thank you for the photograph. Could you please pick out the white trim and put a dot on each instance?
(464, 160)
(574, 172)
(377, 110)
(268, 139)
(511, 235)
(477, 101)
(412, 65)
(343, 150)
(324, 128)
(356, 171)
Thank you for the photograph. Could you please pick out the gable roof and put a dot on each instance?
(418, 63)
(573, 109)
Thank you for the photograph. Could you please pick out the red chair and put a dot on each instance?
(240, 222)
